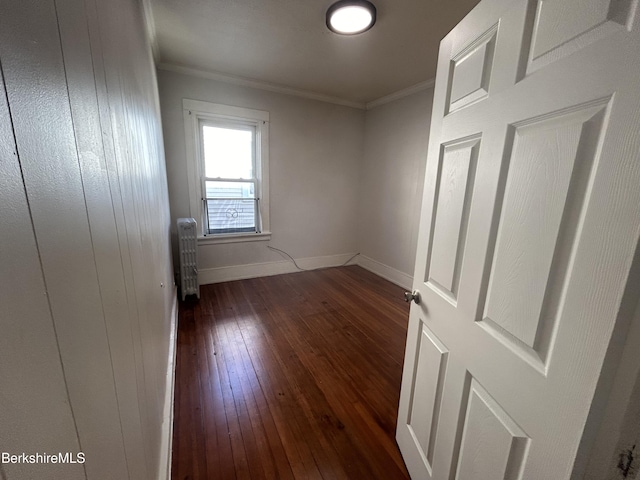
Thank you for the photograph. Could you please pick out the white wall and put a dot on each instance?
(86, 279)
(392, 177)
(315, 148)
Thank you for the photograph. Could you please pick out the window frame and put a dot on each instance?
(204, 179)
(196, 112)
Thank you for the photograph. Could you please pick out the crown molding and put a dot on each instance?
(246, 82)
(405, 92)
(271, 87)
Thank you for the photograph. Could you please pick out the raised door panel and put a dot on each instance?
(455, 185)
(471, 71)
(562, 27)
(548, 172)
(492, 445)
(426, 393)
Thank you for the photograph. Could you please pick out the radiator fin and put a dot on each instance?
(188, 248)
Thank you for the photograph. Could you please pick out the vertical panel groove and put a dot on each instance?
(40, 263)
(91, 230)
(115, 186)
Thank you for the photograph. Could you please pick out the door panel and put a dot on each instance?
(471, 71)
(529, 225)
(455, 183)
(493, 446)
(426, 395)
(563, 27)
(549, 169)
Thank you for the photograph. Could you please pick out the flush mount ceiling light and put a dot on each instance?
(349, 17)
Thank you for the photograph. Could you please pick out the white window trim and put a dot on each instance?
(193, 112)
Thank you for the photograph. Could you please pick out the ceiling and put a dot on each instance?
(286, 43)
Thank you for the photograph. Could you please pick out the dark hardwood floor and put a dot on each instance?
(295, 376)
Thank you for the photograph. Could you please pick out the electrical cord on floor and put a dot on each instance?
(306, 269)
(345, 263)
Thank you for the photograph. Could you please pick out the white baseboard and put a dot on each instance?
(385, 271)
(164, 467)
(254, 270)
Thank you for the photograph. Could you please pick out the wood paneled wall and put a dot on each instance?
(86, 283)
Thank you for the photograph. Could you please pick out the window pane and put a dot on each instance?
(229, 189)
(228, 152)
(231, 216)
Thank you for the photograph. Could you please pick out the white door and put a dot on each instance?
(529, 225)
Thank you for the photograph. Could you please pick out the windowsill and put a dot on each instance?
(234, 238)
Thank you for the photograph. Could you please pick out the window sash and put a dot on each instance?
(235, 205)
(229, 125)
(230, 211)
(228, 201)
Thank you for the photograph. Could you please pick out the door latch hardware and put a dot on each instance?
(415, 296)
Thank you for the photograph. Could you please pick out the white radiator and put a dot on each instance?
(187, 246)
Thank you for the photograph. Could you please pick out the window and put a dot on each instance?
(227, 160)
(230, 183)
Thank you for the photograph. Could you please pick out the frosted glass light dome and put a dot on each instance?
(349, 17)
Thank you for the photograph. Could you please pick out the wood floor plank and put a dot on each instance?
(268, 363)
(217, 439)
(234, 408)
(342, 395)
(303, 463)
(193, 396)
(251, 393)
(312, 411)
(290, 377)
(300, 388)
